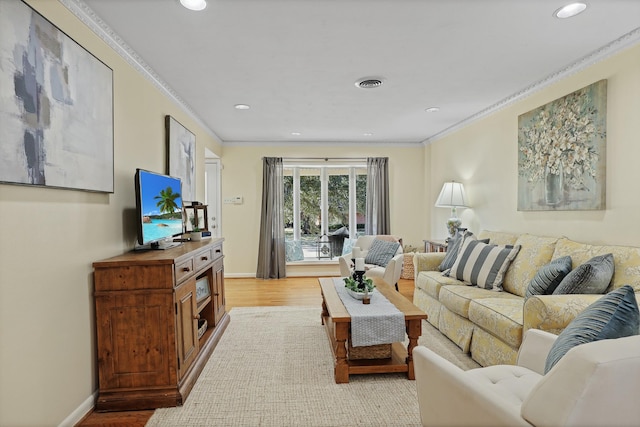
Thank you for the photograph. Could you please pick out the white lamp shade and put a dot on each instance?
(452, 195)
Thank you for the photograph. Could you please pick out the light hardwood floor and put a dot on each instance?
(294, 291)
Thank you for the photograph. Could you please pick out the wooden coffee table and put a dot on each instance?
(337, 323)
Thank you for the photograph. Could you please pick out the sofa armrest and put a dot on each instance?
(553, 313)
(393, 270)
(448, 395)
(345, 265)
(428, 261)
(534, 350)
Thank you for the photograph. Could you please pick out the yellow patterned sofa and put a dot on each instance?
(489, 324)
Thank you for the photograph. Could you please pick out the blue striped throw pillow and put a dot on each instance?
(482, 264)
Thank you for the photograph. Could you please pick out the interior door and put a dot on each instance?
(212, 182)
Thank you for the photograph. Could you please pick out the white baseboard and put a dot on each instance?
(239, 275)
(294, 274)
(80, 412)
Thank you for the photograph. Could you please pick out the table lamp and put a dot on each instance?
(452, 196)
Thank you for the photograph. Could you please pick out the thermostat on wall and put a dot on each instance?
(236, 200)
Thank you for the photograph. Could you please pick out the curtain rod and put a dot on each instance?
(325, 158)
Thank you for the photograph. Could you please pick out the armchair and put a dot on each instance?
(390, 274)
(594, 384)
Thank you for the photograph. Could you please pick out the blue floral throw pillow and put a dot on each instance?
(293, 250)
(347, 247)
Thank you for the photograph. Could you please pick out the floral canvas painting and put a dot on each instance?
(561, 152)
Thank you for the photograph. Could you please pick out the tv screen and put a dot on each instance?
(158, 208)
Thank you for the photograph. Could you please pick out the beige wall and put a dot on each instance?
(242, 176)
(50, 237)
(484, 157)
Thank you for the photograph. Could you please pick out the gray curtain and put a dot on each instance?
(377, 221)
(271, 252)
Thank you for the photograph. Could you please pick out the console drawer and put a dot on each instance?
(217, 252)
(202, 259)
(184, 270)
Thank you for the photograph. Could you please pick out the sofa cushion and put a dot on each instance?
(615, 315)
(592, 277)
(549, 277)
(457, 298)
(498, 237)
(626, 260)
(535, 251)
(432, 281)
(381, 252)
(483, 264)
(502, 317)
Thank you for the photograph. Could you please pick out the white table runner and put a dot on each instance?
(379, 322)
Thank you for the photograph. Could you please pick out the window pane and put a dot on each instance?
(361, 199)
(338, 195)
(310, 203)
(288, 205)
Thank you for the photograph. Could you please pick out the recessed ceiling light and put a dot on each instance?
(367, 134)
(570, 10)
(241, 107)
(369, 82)
(296, 133)
(194, 4)
(432, 109)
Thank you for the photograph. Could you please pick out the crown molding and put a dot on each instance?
(316, 143)
(610, 49)
(85, 14)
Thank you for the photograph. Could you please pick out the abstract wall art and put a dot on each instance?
(562, 152)
(181, 147)
(56, 106)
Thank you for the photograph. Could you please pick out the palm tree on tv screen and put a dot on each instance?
(167, 200)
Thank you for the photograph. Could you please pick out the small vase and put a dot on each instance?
(553, 193)
(196, 236)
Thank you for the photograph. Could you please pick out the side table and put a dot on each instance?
(435, 245)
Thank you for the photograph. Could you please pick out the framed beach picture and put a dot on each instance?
(56, 106)
(562, 152)
(181, 149)
(202, 288)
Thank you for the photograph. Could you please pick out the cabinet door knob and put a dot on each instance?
(186, 269)
(204, 258)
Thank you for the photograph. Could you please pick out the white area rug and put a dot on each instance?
(273, 367)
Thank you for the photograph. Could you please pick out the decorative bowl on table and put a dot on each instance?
(360, 295)
(355, 288)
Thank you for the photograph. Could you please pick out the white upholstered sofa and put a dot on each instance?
(390, 273)
(594, 384)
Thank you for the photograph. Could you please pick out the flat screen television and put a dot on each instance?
(158, 209)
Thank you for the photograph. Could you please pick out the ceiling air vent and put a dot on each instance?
(369, 83)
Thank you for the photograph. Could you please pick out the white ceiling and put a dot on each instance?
(295, 62)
